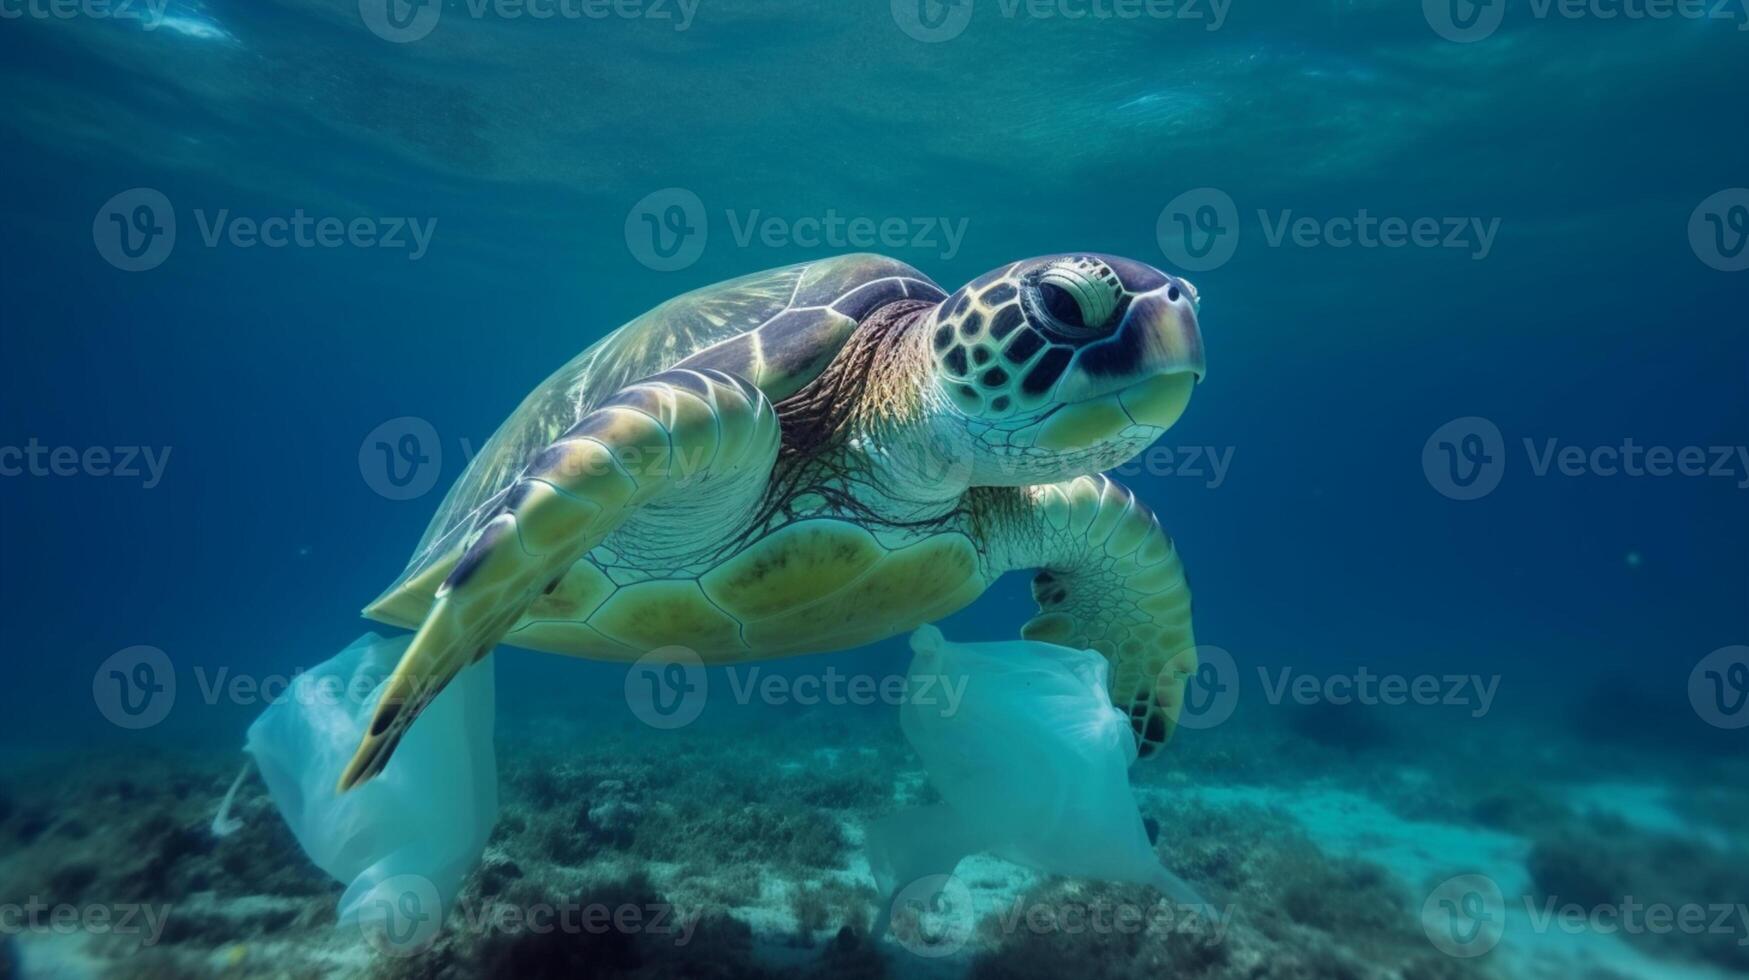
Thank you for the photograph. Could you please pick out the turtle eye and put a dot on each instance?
(1071, 302)
(1062, 305)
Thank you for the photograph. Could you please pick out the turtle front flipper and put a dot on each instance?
(1110, 580)
(678, 432)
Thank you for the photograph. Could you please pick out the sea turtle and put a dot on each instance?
(818, 457)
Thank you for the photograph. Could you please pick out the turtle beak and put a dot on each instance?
(1158, 338)
(1170, 355)
(1165, 330)
(1143, 374)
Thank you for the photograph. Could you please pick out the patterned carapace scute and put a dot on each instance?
(778, 329)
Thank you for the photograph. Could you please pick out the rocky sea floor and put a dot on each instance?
(1321, 840)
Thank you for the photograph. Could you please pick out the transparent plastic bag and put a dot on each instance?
(427, 815)
(1032, 765)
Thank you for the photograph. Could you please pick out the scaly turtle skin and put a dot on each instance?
(815, 458)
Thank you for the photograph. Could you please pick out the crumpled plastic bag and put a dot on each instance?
(1032, 765)
(427, 815)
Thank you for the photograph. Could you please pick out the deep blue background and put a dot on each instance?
(263, 370)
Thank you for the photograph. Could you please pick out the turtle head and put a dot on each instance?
(1066, 365)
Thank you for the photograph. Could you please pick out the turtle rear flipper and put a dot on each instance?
(675, 433)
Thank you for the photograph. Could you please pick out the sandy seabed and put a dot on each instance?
(1326, 841)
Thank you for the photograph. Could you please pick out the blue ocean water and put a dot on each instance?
(1534, 225)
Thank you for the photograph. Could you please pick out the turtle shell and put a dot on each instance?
(778, 329)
